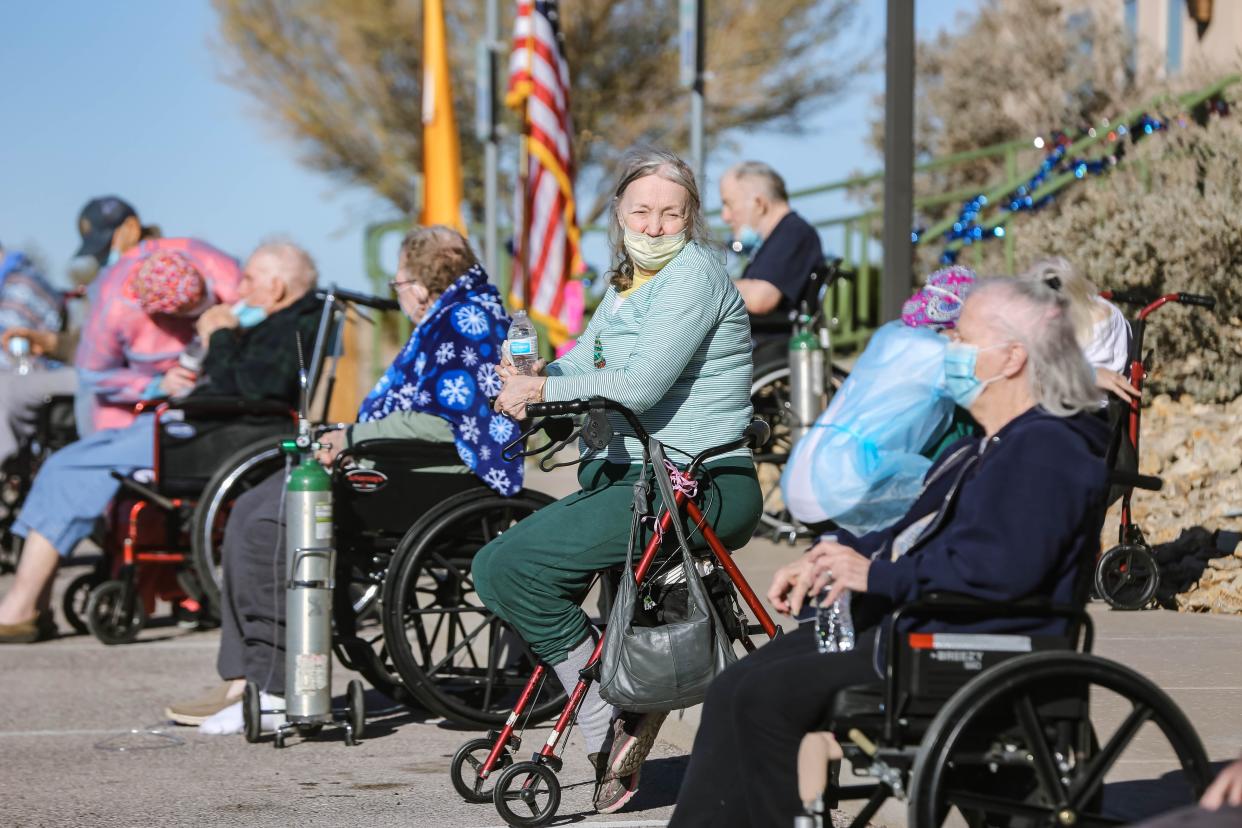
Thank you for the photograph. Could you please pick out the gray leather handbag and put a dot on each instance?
(668, 667)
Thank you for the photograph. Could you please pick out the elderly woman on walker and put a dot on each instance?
(670, 341)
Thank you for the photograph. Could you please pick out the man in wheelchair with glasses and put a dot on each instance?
(247, 351)
(1000, 519)
(435, 392)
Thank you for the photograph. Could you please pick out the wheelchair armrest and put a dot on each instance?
(206, 406)
(145, 492)
(143, 406)
(959, 606)
(426, 452)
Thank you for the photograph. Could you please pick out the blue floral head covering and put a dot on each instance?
(448, 368)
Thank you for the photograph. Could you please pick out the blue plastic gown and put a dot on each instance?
(860, 464)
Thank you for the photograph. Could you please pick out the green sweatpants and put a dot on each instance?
(536, 575)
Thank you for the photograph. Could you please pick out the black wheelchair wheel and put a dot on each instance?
(1017, 745)
(109, 618)
(1127, 577)
(236, 475)
(76, 599)
(357, 708)
(458, 659)
(464, 769)
(769, 394)
(10, 550)
(252, 713)
(527, 794)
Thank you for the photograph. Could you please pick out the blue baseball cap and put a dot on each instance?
(98, 220)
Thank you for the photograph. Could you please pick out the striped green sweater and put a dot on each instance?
(677, 352)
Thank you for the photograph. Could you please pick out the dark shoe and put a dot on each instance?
(40, 628)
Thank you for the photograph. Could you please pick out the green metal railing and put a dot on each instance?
(854, 305)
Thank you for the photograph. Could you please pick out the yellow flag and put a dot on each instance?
(441, 155)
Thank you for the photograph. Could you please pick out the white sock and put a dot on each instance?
(231, 720)
(594, 715)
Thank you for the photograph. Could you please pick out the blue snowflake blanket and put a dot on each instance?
(448, 368)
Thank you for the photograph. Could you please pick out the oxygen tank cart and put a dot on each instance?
(309, 579)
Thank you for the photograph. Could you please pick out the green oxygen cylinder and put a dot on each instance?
(309, 570)
(807, 390)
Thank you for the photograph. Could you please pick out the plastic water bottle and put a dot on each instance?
(191, 358)
(19, 348)
(834, 626)
(523, 344)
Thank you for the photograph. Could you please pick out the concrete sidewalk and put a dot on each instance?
(70, 758)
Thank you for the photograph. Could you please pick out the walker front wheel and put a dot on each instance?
(527, 795)
(464, 769)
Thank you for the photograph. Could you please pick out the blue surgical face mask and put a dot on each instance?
(959, 372)
(747, 241)
(248, 315)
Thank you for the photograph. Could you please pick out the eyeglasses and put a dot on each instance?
(397, 284)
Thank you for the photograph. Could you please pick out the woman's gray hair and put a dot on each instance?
(1056, 272)
(639, 163)
(1037, 316)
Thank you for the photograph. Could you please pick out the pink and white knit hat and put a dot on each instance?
(168, 282)
(939, 302)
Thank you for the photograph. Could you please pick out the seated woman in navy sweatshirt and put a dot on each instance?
(1000, 518)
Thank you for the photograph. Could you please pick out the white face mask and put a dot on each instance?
(651, 254)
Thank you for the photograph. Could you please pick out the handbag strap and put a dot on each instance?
(665, 485)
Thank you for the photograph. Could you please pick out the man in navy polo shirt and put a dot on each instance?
(783, 248)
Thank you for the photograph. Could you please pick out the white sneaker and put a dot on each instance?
(231, 720)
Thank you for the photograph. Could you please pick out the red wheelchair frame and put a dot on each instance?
(146, 543)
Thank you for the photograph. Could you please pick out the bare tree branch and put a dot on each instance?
(343, 78)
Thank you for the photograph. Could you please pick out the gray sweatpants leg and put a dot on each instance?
(252, 596)
(20, 399)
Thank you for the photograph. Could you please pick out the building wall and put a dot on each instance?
(1220, 43)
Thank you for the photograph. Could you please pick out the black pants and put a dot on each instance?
(743, 770)
(252, 596)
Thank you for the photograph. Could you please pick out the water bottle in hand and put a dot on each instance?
(834, 626)
(523, 344)
(191, 359)
(19, 348)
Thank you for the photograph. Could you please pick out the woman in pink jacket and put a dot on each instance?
(130, 344)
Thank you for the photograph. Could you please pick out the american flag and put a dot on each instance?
(539, 85)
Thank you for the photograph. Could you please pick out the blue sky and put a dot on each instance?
(125, 97)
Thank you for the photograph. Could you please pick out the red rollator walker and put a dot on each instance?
(528, 793)
(1126, 576)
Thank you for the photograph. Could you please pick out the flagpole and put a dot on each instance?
(491, 149)
(524, 257)
(524, 166)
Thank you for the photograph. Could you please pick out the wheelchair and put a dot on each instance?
(54, 429)
(404, 611)
(408, 619)
(146, 549)
(532, 786)
(770, 390)
(1004, 729)
(1126, 575)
